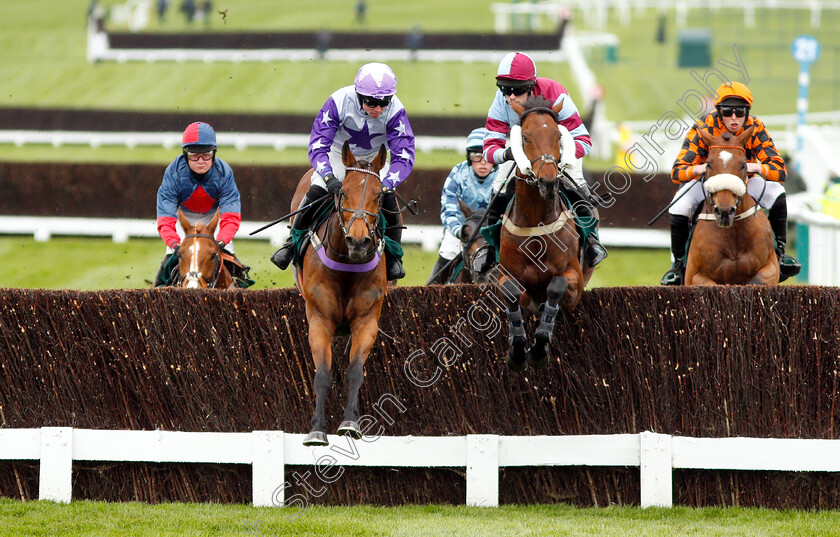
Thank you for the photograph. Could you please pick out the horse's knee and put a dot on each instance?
(512, 293)
(557, 287)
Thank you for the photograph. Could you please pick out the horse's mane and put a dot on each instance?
(535, 103)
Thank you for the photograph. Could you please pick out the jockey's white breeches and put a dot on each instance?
(765, 192)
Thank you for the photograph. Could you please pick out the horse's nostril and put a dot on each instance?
(351, 242)
(364, 243)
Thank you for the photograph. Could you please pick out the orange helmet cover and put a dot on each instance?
(734, 89)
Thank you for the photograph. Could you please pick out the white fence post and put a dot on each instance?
(56, 475)
(483, 470)
(268, 468)
(656, 469)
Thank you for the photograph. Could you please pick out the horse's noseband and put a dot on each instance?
(360, 213)
(217, 263)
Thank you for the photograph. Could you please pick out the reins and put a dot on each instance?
(217, 262)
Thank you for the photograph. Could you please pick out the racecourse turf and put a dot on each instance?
(85, 518)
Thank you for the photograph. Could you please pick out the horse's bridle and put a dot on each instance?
(469, 259)
(706, 192)
(358, 214)
(217, 263)
(532, 179)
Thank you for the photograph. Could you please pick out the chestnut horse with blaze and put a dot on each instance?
(342, 279)
(732, 242)
(552, 277)
(200, 258)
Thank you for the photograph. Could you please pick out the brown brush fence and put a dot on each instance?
(728, 361)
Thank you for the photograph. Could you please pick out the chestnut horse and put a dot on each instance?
(200, 261)
(732, 242)
(472, 254)
(342, 279)
(539, 248)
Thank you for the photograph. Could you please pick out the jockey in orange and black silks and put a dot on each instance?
(765, 167)
(199, 183)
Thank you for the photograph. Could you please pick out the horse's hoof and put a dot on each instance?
(351, 429)
(538, 355)
(316, 438)
(516, 357)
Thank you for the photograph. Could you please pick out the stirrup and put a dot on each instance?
(595, 253)
(788, 266)
(394, 269)
(284, 255)
(675, 275)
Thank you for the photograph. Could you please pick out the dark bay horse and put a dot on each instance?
(732, 242)
(200, 262)
(539, 245)
(472, 254)
(342, 279)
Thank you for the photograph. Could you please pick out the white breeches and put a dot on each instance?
(769, 192)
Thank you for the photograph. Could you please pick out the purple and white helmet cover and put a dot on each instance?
(375, 80)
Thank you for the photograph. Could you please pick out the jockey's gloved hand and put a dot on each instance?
(333, 184)
(508, 154)
(176, 246)
(221, 244)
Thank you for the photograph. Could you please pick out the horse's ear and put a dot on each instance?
(559, 106)
(741, 139)
(379, 161)
(347, 156)
(708, 138)
(466, 211)
(183, 220)
(213, 221)
(518, 108)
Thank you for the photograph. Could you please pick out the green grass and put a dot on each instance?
(86, 518)
(92, 264)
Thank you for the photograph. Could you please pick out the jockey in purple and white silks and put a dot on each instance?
(471, 182)
(368, 114)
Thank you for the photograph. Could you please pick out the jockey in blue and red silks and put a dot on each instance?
(198, 183)
(368, 114)
(516, 80)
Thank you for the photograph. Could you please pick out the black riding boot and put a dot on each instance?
(303, 220)
(159, 282)
(680, 228)
(788, 266)
(595, 251)
(393, 230)
(495, 212)
(435, 276)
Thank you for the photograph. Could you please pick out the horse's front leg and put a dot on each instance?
(321, 332)
(557, 289)
(769, 273)
(364, 333)
(517, 341)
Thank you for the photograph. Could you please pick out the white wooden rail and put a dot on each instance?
(268, 452)
(121, 229)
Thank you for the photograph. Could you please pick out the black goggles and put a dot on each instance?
(373, 102)
(739, 111)
(514, 90)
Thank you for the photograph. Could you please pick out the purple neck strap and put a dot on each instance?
(347, 267)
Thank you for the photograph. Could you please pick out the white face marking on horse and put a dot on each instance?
(194, 249)
(725, 156)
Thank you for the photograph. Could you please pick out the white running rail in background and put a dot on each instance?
(121, 229)
(481, 455)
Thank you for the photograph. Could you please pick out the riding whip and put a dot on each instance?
(291, 214)
(675, 200)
